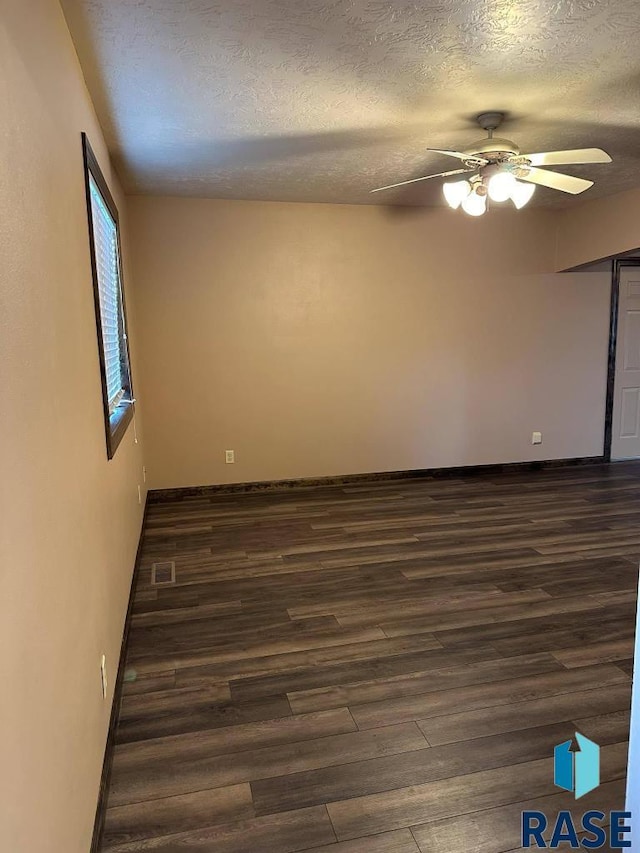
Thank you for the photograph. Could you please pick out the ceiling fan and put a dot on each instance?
(500, 172)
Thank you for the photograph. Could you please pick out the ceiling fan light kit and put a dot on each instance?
(501, 186)
(455, 192)
(521, 193)
(497, 169)
(475, 204)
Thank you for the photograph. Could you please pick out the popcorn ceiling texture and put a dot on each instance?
(322, 100)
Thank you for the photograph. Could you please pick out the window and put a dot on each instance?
(106, 266)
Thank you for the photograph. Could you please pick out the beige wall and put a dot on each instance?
(324, 339)
(598, 229)
(70, 519)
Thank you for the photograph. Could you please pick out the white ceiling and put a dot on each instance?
(322, 100)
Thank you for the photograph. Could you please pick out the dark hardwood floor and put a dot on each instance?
(380, 668)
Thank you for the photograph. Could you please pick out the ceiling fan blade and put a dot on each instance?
(568, 158)
(425, 178)
(555, 181)
(459, 155)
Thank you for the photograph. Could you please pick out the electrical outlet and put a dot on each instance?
(144, 473)
(139, 493)
(229, 456)
(103, 676)
(536, 438)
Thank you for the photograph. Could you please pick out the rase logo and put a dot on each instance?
(576, 769)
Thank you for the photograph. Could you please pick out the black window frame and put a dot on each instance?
(117, 422)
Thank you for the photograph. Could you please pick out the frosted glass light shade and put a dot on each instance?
(455, 192)
(521, 193)
(501, 186)
(474, 204)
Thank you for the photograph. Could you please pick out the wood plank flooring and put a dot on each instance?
(376, 668)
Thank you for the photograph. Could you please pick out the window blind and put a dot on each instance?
(105, 238)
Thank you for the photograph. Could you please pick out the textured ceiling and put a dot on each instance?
(323, 100)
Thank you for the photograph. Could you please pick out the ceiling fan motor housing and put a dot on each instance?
(495, 149)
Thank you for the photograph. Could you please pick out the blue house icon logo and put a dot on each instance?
(577, 769)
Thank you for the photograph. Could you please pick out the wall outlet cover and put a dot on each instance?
(536, 438)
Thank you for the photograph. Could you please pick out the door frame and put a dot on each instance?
(618, 264)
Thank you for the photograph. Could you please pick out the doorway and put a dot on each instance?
(623, 409)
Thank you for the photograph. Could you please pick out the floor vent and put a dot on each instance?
(163, 573)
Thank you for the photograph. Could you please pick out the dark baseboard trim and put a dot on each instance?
(105, 778)
(160, 495)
